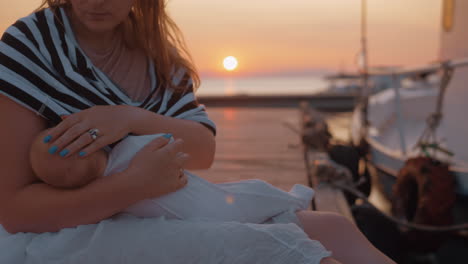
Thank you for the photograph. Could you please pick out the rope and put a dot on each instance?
(350, 188)
(346, 186)
(428, 139)
(419, 227)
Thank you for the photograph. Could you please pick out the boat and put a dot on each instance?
(395, 119)
(422, 119)
(349, 83)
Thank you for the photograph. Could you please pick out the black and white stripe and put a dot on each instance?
(43, 68)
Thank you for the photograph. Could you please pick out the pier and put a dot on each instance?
(265, 143)
(257, 143)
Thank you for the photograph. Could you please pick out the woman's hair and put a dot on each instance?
(158, 35)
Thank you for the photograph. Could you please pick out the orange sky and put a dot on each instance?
(295, 35)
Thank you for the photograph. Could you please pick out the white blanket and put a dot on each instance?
(250, 201)
(126, 239)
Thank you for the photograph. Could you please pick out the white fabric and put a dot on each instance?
(127, 239)
(250, 201)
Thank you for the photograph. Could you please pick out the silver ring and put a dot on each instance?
(94, 133)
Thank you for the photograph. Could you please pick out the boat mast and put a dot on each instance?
(364, 41)
(364, 60)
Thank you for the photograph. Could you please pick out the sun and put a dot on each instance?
(230, 63)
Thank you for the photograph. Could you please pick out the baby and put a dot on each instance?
(251, 201)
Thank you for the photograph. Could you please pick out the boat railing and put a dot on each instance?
(431, 68)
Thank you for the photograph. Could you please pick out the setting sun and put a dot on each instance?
(230, 63)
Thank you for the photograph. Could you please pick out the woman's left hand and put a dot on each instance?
(72, 135)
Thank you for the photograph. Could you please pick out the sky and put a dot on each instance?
(294, 36)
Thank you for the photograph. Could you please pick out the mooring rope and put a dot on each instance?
(419, 227)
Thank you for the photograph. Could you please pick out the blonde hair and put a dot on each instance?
(159, 37)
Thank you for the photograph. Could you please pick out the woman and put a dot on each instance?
(95, 61)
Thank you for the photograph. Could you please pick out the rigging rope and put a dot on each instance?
(427, 228)
(428, 139)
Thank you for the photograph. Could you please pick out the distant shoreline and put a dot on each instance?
(323, 102)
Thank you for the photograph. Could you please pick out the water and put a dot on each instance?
(304, 85)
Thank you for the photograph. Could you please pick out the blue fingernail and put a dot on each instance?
(168, 136)
(64, 152)
(53, 149)
(82, 153)
(47, 139)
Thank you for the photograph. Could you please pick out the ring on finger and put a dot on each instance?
(94, 133)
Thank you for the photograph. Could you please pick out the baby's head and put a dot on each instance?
(69, 172)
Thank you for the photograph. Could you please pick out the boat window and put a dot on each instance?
(448, 15)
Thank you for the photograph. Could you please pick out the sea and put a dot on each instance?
(258, 86)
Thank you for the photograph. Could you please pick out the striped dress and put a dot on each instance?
(43, 68)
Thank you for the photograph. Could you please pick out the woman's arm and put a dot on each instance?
(27, 205)
(199, 141)
(41, 208)
(115, 122)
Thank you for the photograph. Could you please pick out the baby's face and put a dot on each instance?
(69, 172)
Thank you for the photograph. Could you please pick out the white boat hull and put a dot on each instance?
(392, 137)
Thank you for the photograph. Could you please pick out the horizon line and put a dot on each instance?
(279, 73)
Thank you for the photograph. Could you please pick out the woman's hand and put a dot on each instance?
(72, 135)
(157, 169)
